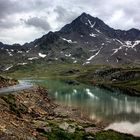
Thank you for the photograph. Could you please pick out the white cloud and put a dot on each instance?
(21, 33)
(43, 14)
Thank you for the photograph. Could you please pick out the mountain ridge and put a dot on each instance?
(100, 25)
(86, 40)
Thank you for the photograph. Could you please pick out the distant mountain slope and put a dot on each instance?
(86, 40)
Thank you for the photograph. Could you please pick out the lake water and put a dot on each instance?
(120, 111)
(23, 84)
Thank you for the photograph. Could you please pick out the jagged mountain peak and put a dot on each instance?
(85, 24)
(84, 21)
(87, 18)
(84, 14)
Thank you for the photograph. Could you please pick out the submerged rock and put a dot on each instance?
(72, 82)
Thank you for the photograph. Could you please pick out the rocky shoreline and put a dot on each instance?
(126, 90)
(31, 115)
(32, 112)
(125, 80)
(4, 82)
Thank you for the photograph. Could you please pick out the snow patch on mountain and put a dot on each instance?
(33, 58)
(42, 55)
(131, 44)
(67, 55)
(10, 54)
(92, 35)
(22, 63)
(86, 63)
(118, 41)
(94, 54)
(98, 31)
(8, 68)
(75, 61)
(116, 50)
(19, 52)
(69, 40)
(91, 25)
(126, 45)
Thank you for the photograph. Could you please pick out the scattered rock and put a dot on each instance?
(90, 138)
(91, 130)
(39, 123)
(71, 129)
(31, 138)
(64, 126)
(80, 127)
(44, 129)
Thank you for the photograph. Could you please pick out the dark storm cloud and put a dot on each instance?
(8, 7)
(38, 23)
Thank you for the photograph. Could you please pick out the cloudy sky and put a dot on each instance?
(25, 20)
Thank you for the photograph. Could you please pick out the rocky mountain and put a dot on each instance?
(86, 40)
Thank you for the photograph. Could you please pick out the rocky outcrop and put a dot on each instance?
(124, 79)
(4, 82)
(118, 74)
